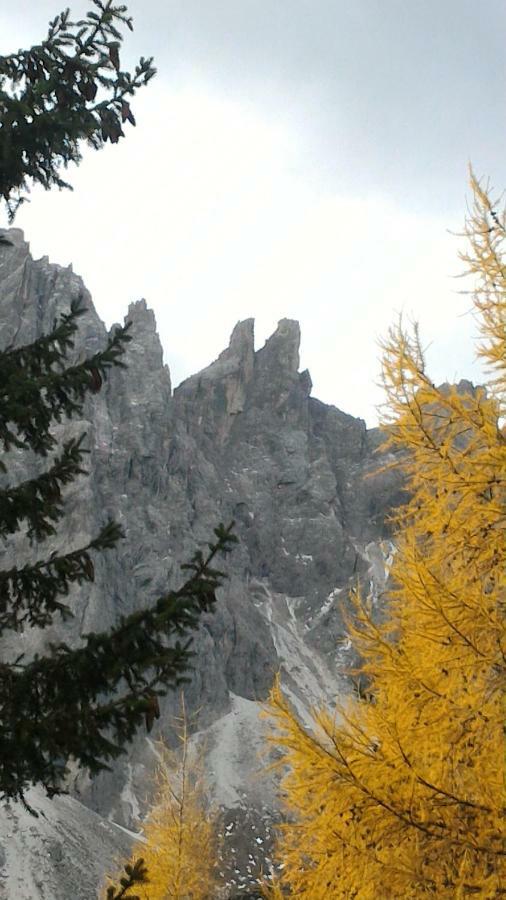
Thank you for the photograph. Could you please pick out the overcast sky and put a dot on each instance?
(298, 158)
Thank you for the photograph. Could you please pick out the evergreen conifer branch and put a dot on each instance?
(81, 703)
(65, 90)
(36, 357)
(136, 873)
(29, 404)
(29, 594)
(84, 703)
(55, 704)
(37, 390)
(39, 500)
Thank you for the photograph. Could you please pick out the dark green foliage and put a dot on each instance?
(36, 388)
(87, 702)
(83, 703)
(68, 89)
(135, 874)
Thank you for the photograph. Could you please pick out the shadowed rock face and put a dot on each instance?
(242, 440)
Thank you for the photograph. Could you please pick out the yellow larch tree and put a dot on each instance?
(180, 831)
(402, 795)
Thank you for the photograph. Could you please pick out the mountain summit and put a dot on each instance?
(243, 439)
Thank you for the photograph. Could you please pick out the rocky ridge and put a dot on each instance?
(243, 439)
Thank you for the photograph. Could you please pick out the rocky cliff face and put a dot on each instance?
(244, 440)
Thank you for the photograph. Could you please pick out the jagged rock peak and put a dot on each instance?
(144, 355)
(14, 235)
(236, 360)
(282, 348)
(240, 351)
(140, 314)
(33, 293)
(242, 339)
(13, 239)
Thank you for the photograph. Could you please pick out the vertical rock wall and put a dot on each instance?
(244, 440)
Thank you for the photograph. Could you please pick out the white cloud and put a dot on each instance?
(214, 212)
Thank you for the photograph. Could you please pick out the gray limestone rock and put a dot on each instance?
(244, 440)
(65, 852)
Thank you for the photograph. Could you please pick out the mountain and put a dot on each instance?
(243, 439)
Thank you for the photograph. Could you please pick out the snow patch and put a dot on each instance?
(304, 558)
(136, 835)
(329, 602)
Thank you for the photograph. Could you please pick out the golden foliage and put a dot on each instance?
(272, 890)
(485, 231)
(401, 796)
(180, 831)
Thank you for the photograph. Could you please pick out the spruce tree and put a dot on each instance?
(66, 90)
(83, 702)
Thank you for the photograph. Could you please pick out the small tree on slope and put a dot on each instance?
(85, 702)
(180, 831)
(402, 796)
